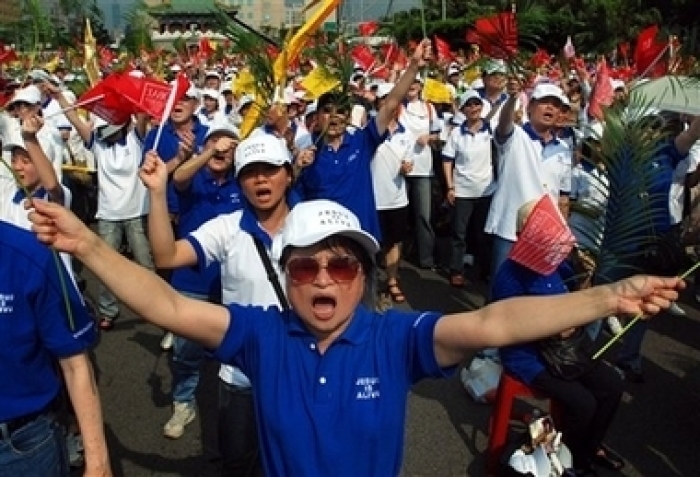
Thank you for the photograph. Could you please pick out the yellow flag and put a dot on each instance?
(293, 47)
(319, 81)
(244, 83)
(53, 64)
(90, 65)
(436, 92)
(250, 120)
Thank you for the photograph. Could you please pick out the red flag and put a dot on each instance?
(393, 55)
(362, 55)
(7, 54)
(105, 101)
(545, 239)
(444, 52)
(497, 35)
(540, 58)
(368, 28)
(648, 54)
(106, 57)
(603, 93)
(146, 94)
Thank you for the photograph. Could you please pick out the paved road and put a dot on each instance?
(657, 429)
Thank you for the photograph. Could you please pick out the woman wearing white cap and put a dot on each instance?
(331, 377)
(264, 173)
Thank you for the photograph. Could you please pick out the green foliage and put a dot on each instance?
(137, 35)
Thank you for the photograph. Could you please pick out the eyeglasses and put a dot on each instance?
(473, 102)
(304, 270)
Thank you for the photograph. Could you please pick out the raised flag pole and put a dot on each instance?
(76, 106)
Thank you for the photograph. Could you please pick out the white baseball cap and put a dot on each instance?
(29, 94)
(14, 140)
(223, 127)
(545, 90)
(312, 221)
(495, 67)
(244, 101)
(262, 147)
(466, 96)
(211, 93)
(383, 89)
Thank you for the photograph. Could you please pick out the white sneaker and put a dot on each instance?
(167, 342)
(614, 325)
(183, 414)
(676, 310)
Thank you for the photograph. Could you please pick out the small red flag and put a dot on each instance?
(105, 100)
(497, 35)
(649, 52)
(205, 49)
(7, 54)
(444, 52)
(545, 239)
(540, 58)
(368, 28)
(363, 56)
(603, 93)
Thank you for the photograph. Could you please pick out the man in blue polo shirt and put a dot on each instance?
(205, 188)
(36, 330)
(340, 170)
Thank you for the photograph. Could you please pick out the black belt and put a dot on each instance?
(19, 422)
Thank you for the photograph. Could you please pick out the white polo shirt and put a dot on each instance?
(388, 182)
(676, 194)
(473, 167)
(12, 200)
(243, 277)
(527, 168)
(419, 118)
(121, 194)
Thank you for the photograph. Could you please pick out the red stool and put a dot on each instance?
(509, 389)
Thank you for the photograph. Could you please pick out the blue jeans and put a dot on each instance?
(187, 361)
(38, 448)
(112, 233)
(466, 211)
(420, 197)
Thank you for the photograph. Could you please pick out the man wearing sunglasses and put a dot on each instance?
(340, 170)
(331, 376)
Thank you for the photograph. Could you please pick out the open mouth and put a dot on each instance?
(263, 193)
(324, 306)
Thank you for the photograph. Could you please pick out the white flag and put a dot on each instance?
(569, 50)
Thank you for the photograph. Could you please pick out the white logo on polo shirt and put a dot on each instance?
(6, 303)
(367, 388)
(354, 155)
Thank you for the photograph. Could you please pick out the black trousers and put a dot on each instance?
(238, 433)
(588, 406)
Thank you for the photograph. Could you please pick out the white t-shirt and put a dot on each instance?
(243, 277)
(590, 190)
(388, 182)
(420, 118)
(473, 168)
(121, 194)
(526, 170)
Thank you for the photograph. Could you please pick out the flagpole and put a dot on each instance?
(422, 20)
(75, 106)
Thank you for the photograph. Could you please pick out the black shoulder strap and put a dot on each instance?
(271, 274)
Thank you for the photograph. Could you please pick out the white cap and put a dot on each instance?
(211, 93)
(544, 90)
(175, 68)
(477, 83)
(212, 74)
(261, 148)
(29, 94)
(311, 108)
(312, 221)
(14, 140)
(383, 89)
(617, 84)
(69, 77)
(466, 96)
(453, 69)
(244, 101)
(494, 67)
(39, 75)
(223, 127)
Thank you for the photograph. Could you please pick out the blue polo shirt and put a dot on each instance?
(512, 279)
(341, 413)
(168, 146)
(344, 176)
(34, 326)
(203, 200)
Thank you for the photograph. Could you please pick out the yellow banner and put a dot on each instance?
(319, 81)
(436, 92)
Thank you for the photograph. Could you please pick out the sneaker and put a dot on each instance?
(614, 325)
(183, 414)
(676, 310)
(167, 342)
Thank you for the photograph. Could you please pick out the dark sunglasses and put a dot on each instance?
(304, 270)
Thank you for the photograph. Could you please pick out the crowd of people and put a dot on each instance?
(280, 254)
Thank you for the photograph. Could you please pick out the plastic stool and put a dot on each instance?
(509, 389)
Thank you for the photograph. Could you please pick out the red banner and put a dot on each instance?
(497, 35)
